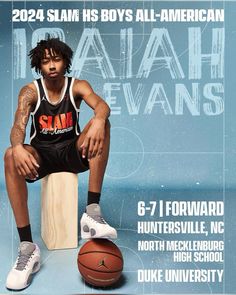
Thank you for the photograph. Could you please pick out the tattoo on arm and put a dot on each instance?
(25, 103)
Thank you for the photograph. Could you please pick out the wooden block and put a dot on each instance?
(59, 210)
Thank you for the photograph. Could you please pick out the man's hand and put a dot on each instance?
(94, 139)
(25, 162)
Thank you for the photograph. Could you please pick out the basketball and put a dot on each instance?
(100, 262)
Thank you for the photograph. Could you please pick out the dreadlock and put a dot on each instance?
(56, 46)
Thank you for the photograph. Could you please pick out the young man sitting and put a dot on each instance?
(56, 144)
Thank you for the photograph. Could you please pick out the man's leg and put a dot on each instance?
(92, 223)
(97, 165)
(17, 188)
(27, 261)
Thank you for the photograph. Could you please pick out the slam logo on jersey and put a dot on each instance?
(57, 124)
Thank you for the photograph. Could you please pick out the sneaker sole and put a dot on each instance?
(35, 269)
(88, 236)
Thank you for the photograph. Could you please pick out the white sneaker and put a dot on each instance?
(94, 226)
(27, 263)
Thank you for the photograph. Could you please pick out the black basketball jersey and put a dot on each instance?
(54, 123)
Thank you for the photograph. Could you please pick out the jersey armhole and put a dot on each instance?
(38, 99)
(71, 95)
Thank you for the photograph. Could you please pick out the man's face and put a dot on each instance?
(52, 65)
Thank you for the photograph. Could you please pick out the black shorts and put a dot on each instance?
(61, 157)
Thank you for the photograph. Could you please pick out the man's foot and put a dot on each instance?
(94, 226)
(27, 263)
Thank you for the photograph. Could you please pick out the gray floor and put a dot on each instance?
(59, 273)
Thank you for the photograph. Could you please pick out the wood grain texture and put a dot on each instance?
(59, 210)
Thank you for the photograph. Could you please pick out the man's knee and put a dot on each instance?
(8, 158)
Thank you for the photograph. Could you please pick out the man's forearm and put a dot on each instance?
(102, 111)
(17, 136)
